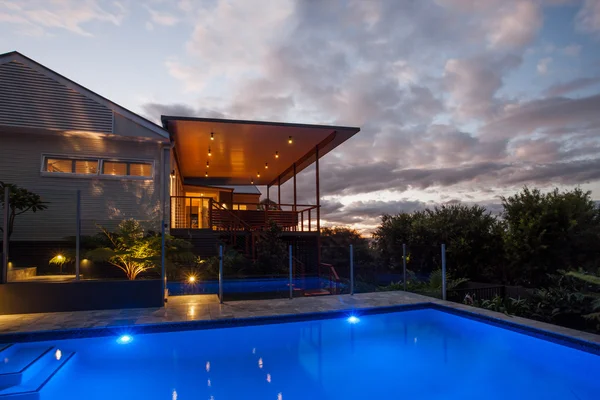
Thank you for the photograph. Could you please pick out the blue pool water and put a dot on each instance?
(264, 285)
(420, 354)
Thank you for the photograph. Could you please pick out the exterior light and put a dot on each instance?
(201, 194)
(353, 319)
(290, 141)
(212, 136)
(258, 174)
(206, 174)
(192, 279)
(276, 154)
(209, 152)
(124, 339)
(252, 181)
(60, 257)
(266, 165)
(207, 164)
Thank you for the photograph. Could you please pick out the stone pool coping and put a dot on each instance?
(205, 312)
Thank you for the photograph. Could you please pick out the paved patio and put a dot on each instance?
(207, 307)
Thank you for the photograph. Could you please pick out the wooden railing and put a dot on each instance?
(205, 213)
(333, 277)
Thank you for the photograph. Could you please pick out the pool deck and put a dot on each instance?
(181, 309)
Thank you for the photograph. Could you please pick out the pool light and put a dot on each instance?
(124, 339)
(353, 319)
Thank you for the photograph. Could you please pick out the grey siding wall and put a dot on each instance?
(105, 200)
(31, 99)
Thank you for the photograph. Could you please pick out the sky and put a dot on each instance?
(457, 100)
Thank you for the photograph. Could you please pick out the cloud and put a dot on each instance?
(560, 89)
(572, 50)
(162, 17)
(154, 111)
(39, 17)
(543, 65)
(588, 17)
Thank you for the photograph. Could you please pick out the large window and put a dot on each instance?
(96, 166)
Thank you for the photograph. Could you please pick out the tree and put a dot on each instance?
(20, 201)
(335, 247)
(548, 232)
(134, 251)
(271, 251)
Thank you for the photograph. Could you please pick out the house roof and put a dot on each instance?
(249, 152)
(21, 63)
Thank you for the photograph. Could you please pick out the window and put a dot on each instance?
(126, 168)
(71, 166)
(95, 166)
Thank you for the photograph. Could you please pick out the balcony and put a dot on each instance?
(206, 213)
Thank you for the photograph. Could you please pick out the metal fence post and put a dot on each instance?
(163, 271)
(221, 273)
(291, 278)
(443, 272)
(351, 271)
(77, 234)
(404, 265)
(4, 277)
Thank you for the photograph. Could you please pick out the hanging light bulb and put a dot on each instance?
(207, 164)
(258, 174)
(266, 165)
(276, 154)
(290, 141)
(212, 136)
(209, 152)
(206, 174)
(252, 181)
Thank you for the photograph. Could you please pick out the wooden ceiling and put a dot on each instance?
(240, 150)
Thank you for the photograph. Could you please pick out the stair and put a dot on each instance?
(26, 367)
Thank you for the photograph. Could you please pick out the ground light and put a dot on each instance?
(192, 279)
(353, 319)
(124, 339)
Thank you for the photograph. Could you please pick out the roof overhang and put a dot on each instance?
(240, 150)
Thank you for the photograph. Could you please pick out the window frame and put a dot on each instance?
(98, 175)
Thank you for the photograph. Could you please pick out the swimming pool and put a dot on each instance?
(416, 354)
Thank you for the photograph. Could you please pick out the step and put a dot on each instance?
(36, 375)
(16, 359)
(317, 292)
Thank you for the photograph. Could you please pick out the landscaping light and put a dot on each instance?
(353, 319)
(192, 279)
(290, 141)
(276, 154)
(124, 339)
(60, 257)
(212, 136)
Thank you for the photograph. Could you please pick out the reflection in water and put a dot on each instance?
(208, 366)
(260, 363)
(174, 395)
(269, 378)
(209, 384)
(279, 396)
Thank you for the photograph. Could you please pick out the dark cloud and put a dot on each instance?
(154, 111)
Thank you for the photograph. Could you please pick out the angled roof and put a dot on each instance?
(34, 91)
(249, 152)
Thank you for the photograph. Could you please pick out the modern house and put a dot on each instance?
(198, 175)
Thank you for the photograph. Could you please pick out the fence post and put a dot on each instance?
(351, 270)
(163, 271)
(291, 277)
(443, 272)
(77, 234)
(4, 277)
(404, 265)
(221, 273)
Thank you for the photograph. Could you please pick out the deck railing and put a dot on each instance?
(206, 213)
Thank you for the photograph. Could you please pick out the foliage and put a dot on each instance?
(335, 248)
(430, 287)
(20, 201)
(234, 265)
(268, 203)
(473, 239)
(548, 232)
(508, 306)
(593, 293)
(134, 251)
(271, 252)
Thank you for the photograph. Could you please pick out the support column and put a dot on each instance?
(279, 191)
(294, 186)
(268, 187)
(318, 191)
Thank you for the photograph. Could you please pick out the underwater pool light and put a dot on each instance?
(124, 339)
(353, 319)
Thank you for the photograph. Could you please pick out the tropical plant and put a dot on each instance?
(594, 281)
(508, 306)
(20, 201)
(430, 287)
(134, 250)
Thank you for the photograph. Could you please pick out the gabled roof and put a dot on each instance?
(19, 63)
